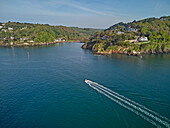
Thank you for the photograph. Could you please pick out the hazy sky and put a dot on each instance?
(81, 13)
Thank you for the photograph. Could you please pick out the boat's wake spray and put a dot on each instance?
(140, 110)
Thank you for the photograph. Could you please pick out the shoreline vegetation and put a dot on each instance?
(125, 50)
(36, 44)
(147, 36)
(27, 34)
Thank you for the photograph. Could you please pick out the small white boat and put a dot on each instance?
(86, 81)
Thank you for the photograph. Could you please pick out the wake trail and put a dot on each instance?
(142, 106)
(125, 106)
(132, 104)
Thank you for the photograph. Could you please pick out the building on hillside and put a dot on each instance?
(31, 41)
(129, 29)
(119, 32)
(163, 18)
(60, 40)
(25, 38)
(12, 38)
(104, 38)
(4, 30)
(10, 29)
(1, 27)
(142, 39)
(23, 28)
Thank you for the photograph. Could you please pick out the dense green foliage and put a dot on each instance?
(87, 31)
(26, 32)
(124, 36)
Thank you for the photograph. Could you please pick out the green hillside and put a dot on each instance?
(87, 31)
(26, 32)
(150, 35)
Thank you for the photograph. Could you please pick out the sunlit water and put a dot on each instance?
(44, 87)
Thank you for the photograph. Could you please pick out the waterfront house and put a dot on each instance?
(60, 40)
(142, 39)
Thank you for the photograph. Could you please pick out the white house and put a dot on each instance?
(1, 27)
(56, 40)
(10, 29)
(11, 37)
(119, 32)
(25, 38)
(31, 41)
(60, 40)
(4, 30)
(142, 39)
(163, 18)
(23, 28)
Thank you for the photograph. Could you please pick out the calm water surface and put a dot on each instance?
(45, 87)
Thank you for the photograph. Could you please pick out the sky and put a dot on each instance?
(81, 13)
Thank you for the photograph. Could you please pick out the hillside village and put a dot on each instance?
(150, 35)
(8, 36)
(137, 40)
(21, 34)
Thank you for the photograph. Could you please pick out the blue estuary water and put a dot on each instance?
(43, 87)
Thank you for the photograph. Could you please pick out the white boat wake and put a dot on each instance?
(140, 110)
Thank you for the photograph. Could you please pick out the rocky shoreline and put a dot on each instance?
(132, 53)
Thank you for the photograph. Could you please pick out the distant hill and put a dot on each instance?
(151, 35)
(19, 33)
(87, 31)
